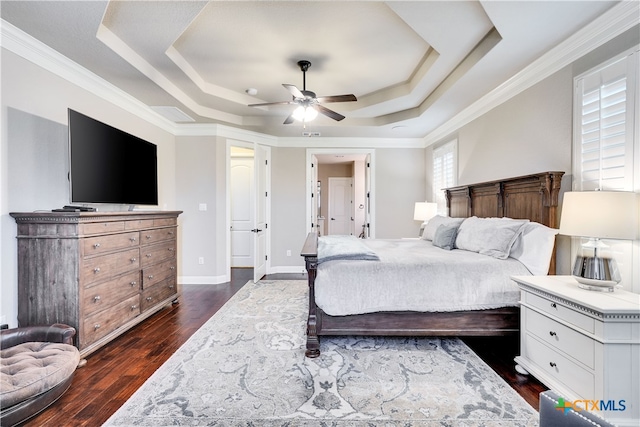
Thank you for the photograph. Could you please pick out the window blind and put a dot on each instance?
(444, 172)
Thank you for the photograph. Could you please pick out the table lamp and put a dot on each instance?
(424, 211)
(599, 215)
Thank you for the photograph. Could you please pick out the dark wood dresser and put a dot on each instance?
(100, 272)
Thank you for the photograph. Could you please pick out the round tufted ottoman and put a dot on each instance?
(33, 374)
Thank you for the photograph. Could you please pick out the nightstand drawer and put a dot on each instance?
(561, 337)
(560, 311)
(567, 372)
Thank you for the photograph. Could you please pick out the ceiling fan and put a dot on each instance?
(309, 105)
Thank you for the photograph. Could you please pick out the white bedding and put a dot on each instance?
(414, 275)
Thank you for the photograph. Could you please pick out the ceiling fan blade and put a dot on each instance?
(327, 112)
(288, 120)
(272, 103)
(293, 90)
(338, 98)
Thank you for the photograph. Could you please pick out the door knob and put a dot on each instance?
(256, 230)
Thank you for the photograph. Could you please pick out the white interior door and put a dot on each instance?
(340, 209)
(261, 185)
(242, 211)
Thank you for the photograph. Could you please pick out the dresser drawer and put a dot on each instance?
(109, 293)
(155, 253)
(107, 321)
(106, 266)
(560, 311)
(108, 243)
(165, 222)
(138, 224)
(581, 381)
(158, 272)
(561, 337)
(101, 227)
(158, 293)
(149, 237)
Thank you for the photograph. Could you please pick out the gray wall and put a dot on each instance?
(34, 158)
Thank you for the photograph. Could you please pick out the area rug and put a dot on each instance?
(246, 367)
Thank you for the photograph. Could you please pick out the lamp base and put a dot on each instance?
(595, 285)
(596, 273)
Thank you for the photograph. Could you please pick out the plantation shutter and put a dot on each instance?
(605, 142)
(444, 172)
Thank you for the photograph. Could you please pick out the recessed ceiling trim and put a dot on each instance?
(110, 39)
(610, 24)
(488, 42)
(206, 87)
(172, 113)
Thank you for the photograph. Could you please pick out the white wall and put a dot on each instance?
(34, 160)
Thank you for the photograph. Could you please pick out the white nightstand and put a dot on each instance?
(584, 345)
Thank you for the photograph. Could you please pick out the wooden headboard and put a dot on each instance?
(533, 197)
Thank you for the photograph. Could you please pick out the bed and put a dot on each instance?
(531, 198)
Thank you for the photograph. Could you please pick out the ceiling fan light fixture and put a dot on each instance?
(304, 114)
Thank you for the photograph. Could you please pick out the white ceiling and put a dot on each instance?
(413, 65)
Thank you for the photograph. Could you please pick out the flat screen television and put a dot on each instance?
(108, 165)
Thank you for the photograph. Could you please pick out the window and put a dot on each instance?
(605, 144)
(445, 172)
(605, 124)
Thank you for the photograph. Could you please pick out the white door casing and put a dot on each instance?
(261, 180)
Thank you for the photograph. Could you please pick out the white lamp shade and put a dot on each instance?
(601, 214)
(424, 211)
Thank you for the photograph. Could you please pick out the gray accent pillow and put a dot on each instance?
(445, 236)
(489, 236)
(437, 221)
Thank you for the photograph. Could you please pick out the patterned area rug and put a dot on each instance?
(246, 367)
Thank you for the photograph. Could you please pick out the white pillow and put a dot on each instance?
(437, 221)
(489, 236)
(534, 247)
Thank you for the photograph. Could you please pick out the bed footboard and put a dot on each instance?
(310, 254)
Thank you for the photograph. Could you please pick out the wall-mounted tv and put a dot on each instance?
(109, 165)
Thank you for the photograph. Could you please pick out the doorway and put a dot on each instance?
(248, 183)
(357, 199)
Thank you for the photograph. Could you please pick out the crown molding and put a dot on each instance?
(612, 23)
(22, 44)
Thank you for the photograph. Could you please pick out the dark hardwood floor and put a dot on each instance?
(116, 371)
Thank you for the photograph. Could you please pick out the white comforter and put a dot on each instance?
(413, 275)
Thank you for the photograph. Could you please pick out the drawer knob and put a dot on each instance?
(96, 270)
(172, 268)
(133, 307)
(96, 326)
(133, 283)
(133, 239)
(170, 249)
(171, 286)
(553, 305)
(148, 236)
(96, 245)
(149, 298)
(133, 260)
(553, 334)
(171, 233)
(96, 298)
(148, 255)
(150, 276)
(552, 364)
